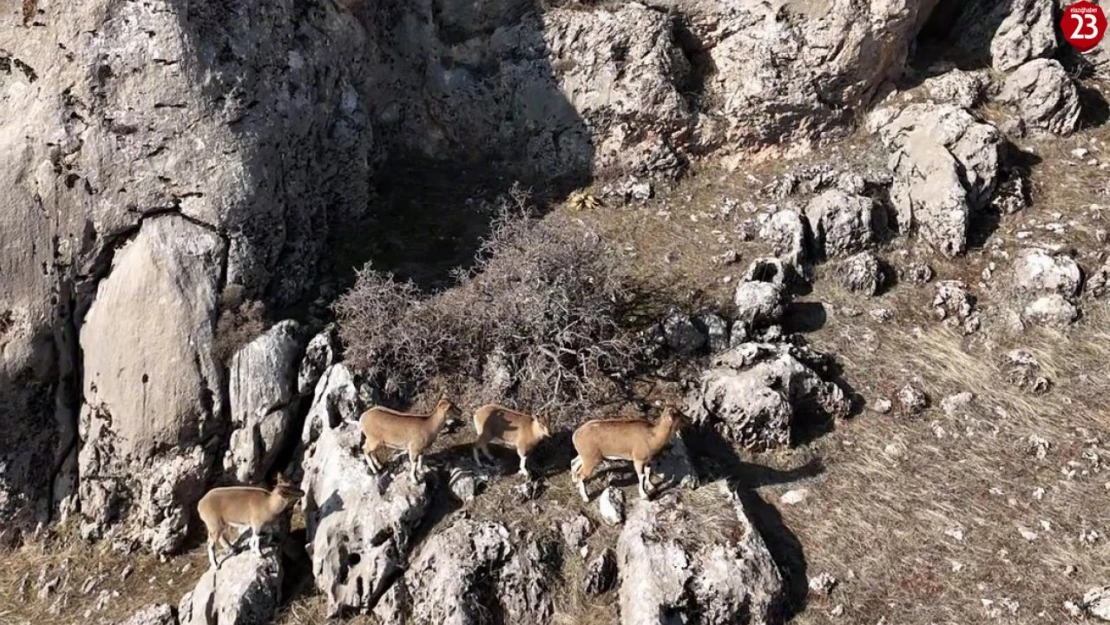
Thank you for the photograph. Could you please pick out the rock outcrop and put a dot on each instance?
(152, 404)
(757, 394)
(672, 563)
(166, 124)
(1048, 286)
(359, 526)
(843, 224)
(1007, 33)
(262, 391)
(245, 590)
(946, 166)
(1045, 97)
(468, 569)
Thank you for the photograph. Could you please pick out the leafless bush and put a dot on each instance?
(544, 296)
(240, 322)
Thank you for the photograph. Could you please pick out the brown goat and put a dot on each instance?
(413, 433)
(637, 440)
(511, 427)
(242, 507)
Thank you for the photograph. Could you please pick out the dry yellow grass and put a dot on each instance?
(91, 586)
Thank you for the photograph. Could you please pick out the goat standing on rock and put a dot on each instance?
(400, 430)
(242, 507)
(622, 439)
(497, 423)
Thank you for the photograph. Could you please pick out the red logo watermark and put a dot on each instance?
(1084, 25)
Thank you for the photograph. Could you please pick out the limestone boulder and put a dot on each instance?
(151, 391)
(262, 392)
(245, 590)
(671, 562)
(757, 394)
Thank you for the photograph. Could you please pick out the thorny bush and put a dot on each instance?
(537, 320)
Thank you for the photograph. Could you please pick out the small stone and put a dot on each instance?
(794, 496)
(956, 404)
(912, 399)
(920, 273)
(881, 315)
(576, 531)
(1080, 152)
(1096, 601)
(823, 583)
(611, 505)
(1027, 533)
(883, 406)
(838, 610)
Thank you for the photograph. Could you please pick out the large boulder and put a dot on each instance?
(1006, 33)
(359, 527)
(245, 590)
(1038, 272)
(1045, 96)
(262, 391)
(114, 117)
(676, 567)
(151, 388)
(468, 569)
(757, 394)
(843, 224)
(946, 166)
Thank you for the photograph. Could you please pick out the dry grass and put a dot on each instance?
(91, 586)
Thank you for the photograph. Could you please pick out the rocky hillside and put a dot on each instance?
(860, 244)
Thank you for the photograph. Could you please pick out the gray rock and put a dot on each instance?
(759, 304)
(465, 485)
(262, 391)
(912, 399)
(1007, 33)
(1037, 272)
(883, 406)
(671, 562)
(843, 224)
(611, 505)
(247, 592)
(149, 385)
(823, 584)
(716, 330)
(861, 273)
(755, 392)
(340, 396)
(918, 273)
(470, 559)
(154, 614)
(1023, 371)
(955, 306)
(1096, 602)
(946, 166)
(953, 405)
(601, 573)
(786, 234)
(322, 352)
(771, 270)
(1045, 96)
(682, 334)
(1050, 310)
(1098, 283)
(358, 527)
(576, 531)
(1013, 194)
(958, 87)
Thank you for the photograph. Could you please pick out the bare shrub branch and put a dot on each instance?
(546, 297)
